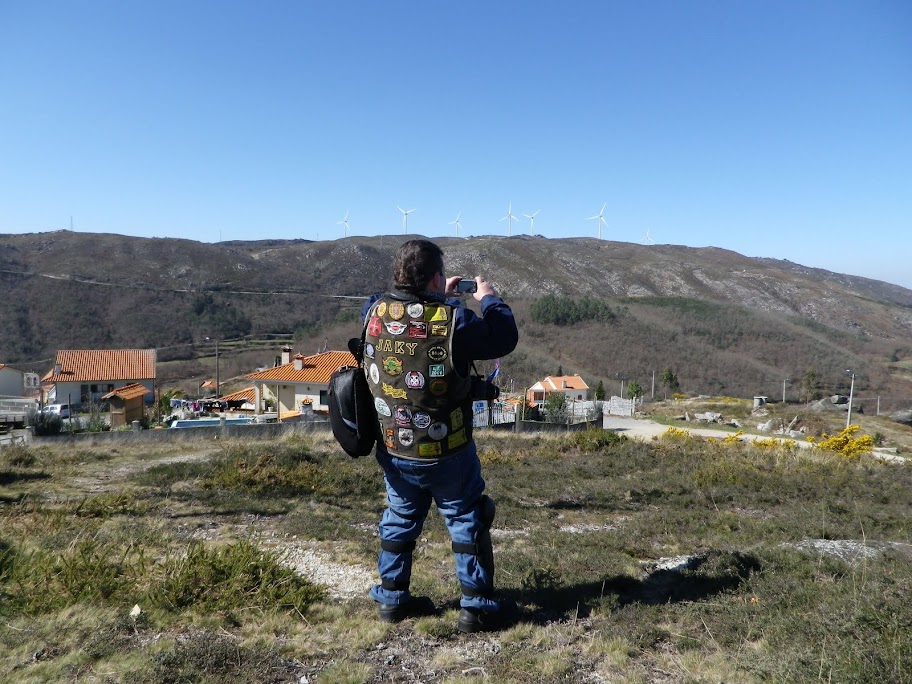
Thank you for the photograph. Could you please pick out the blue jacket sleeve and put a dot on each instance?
(489, 336)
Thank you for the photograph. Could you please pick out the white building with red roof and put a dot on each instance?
(297, 382)
(84, 376)
(573, 386)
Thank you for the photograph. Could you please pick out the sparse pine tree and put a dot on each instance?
(810, 382)
(634, 389)
(600, 391)
(669, 381)
(560, 371)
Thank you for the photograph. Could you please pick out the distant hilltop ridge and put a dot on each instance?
(68, 290)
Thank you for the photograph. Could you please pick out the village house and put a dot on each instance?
(84, 376)
(298, 383)
(573, 386)
(12, 381)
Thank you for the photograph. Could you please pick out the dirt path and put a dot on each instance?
(645, 429)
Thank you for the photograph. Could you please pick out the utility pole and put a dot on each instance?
(851, 393)
(783, 389)
(653, 385)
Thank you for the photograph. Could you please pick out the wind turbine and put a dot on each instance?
(344, 222)
(509, 218)
(405, 217)
(647, 240)
(456, 223)
(532, 221)
(601, 219)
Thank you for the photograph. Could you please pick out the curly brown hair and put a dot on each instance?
(415, 263)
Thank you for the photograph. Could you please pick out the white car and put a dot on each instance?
(62, 410)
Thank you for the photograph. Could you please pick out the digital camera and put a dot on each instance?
(482, 390)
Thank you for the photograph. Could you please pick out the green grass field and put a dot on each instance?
(194, 537)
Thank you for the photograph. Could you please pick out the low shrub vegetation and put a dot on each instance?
(677, 560)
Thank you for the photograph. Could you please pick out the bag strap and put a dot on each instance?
(356, 345)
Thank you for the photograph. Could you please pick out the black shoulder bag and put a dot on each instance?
(352, 414)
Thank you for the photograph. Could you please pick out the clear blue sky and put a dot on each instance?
(772, 128)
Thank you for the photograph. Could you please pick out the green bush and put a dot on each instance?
(45, 424)
(594, 439)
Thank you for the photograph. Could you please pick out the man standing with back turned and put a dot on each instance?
(419, 344)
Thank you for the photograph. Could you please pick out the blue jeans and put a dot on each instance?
(455, 485)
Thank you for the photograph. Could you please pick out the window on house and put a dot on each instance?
(323, 396)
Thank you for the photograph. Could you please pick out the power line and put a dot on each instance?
(152, 288)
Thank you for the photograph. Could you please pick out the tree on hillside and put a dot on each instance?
(560, 371)
(556, 407)
(600, 391)
(669, 381)
(634, 389)
(810, 384)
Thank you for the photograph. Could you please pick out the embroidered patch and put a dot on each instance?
(417, 330)
(415, 310)
(403, 415)
(435, 313)
(437, 431)
(439, 330)
(382, 407)
(438, 387)
(396, 310)
(436, 370)
(390, 440)
(456, 419)
(375, 373)
(437, 353)
(374, 327)
(456, 439)
(393, 392)
(429, 449)
(392, 366)
(381, 308)
(414, 380)
(421, 420)
(369, 350)
(406, 437)
(396, 327)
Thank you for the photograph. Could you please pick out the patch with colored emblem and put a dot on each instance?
(374, 373)
(436, 370)
(437, 431)
(396, 327)
(381, 309)
(456, 419)
(415, 310)
(418, 330)
(403, 415)
(414, 380)
(435, 313)
(382, 407)
(392, 365)
(369, 350)
(456, 439)
(390, 440)
(374, 327)
(406, 437)
(393, 392)
(420, 419)
(438, 387)
(429, 449)
(396, 310)
(437, 353)
(439, 330)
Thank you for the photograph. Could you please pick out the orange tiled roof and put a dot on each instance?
(316, 368)
(93, 365)
(241, 395)
(557, 382)
(131, 391)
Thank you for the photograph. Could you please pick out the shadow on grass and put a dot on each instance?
(8, 477)
(705, 576)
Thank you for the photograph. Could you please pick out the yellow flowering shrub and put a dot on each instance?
(846, 443)
(773, 443)
(676, 434)
(733, 438)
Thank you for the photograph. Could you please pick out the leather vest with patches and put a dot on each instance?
(423, 403)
